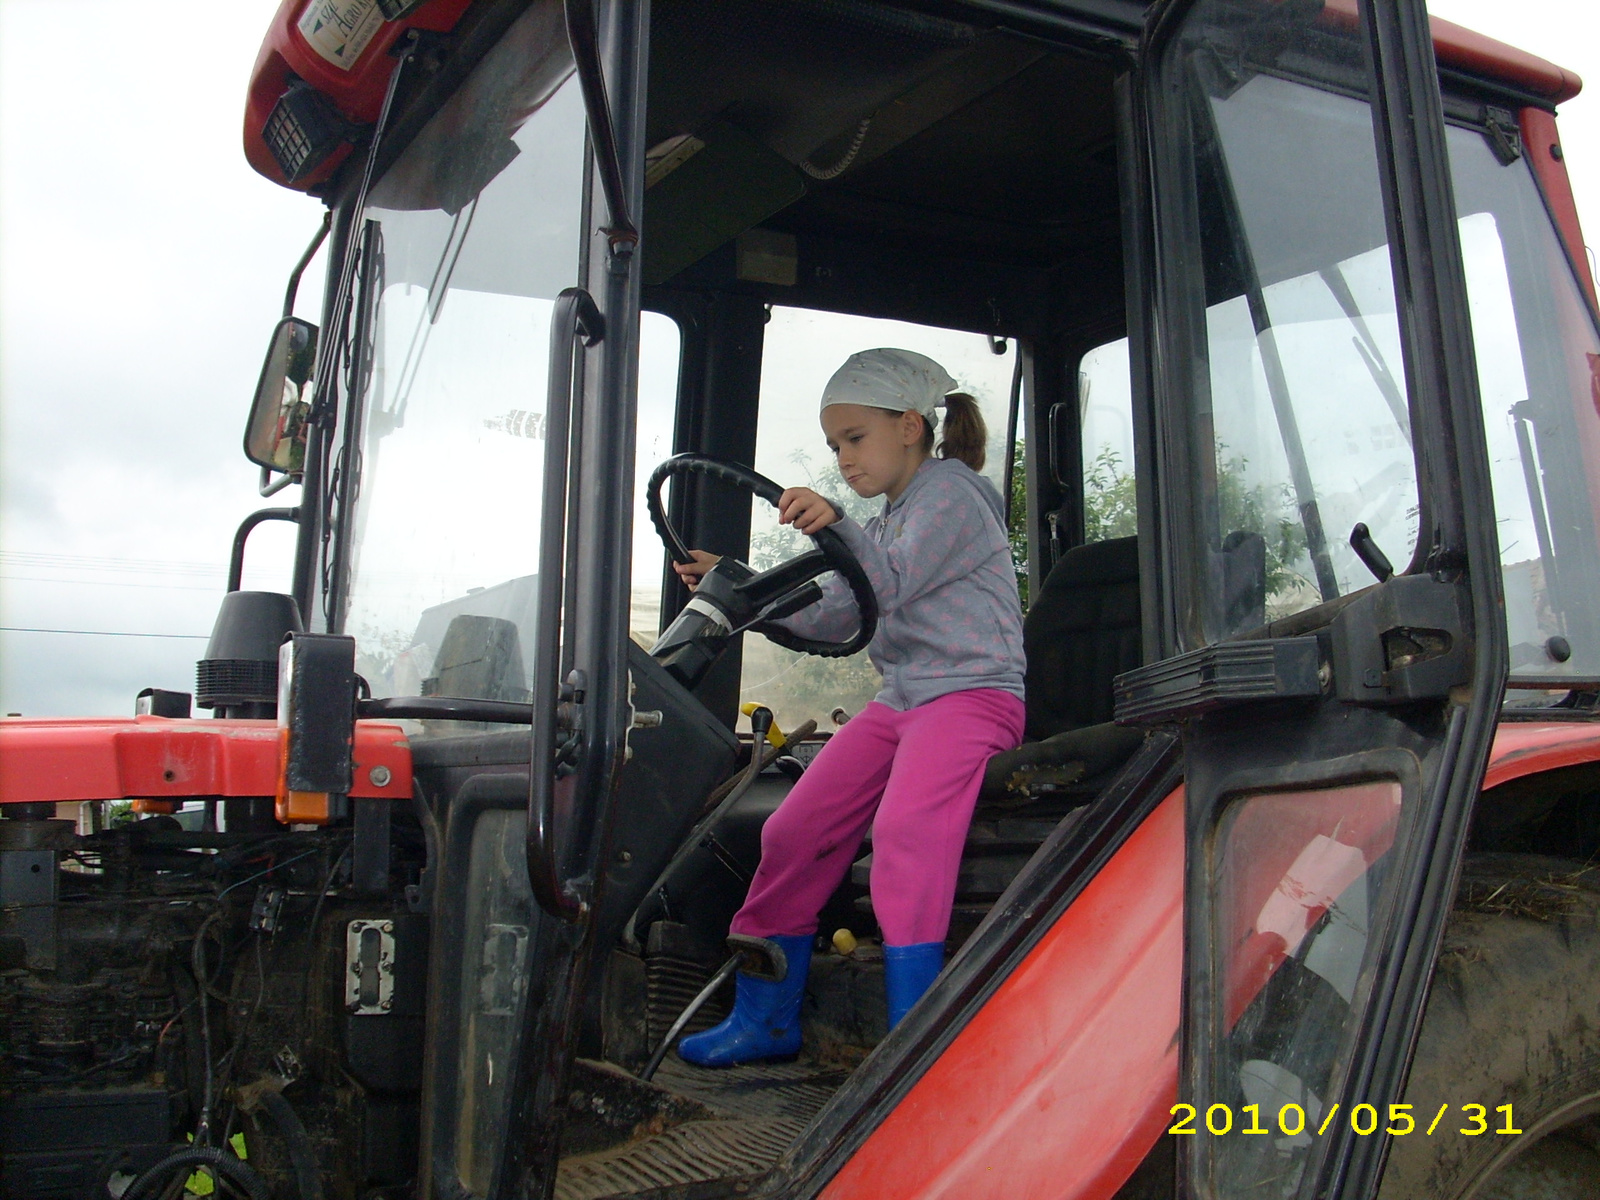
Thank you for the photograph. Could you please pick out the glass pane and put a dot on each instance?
(499, 923)
(1298, 881)
(479, 228)
(1301, 426)
(1105, 411)
(660, 349)
(1536, 351)
(802, 349)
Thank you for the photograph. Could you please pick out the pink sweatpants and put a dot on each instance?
(913, 777)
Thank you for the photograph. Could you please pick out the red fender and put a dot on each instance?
(162, 758)
(1061, 1084)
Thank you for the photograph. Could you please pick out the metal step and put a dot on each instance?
(758, 1111)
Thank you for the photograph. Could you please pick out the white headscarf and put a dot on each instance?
(898, 380)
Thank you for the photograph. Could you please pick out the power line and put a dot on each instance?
(116, 583)
(200, 637)
(84, 562)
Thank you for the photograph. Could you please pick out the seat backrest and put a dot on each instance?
(1082, 630)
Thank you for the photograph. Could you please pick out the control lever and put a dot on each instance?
(1361, 541)
(789, 603)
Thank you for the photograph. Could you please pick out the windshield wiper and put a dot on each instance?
(1522, 422)
(327, 352)
(1367, 348)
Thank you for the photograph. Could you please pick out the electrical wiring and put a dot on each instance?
(838, 168)
(259, 874)
(203, 983)
(311, 928)
(241, 1043)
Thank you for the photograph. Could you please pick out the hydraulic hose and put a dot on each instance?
(153, 1182)
(301, 1155)
(430, 839)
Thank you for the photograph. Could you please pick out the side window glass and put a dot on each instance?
(801, 350)
(1303, 431)
(1537, 355)
(1105, 415)
(660, 351)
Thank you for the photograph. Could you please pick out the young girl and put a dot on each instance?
(949, 647)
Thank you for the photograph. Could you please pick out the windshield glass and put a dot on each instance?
(1305, 409)
(471, 235)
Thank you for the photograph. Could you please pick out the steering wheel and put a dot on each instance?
(783, 589)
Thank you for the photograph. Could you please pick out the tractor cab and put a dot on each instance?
(1282, 329)
(1218, 300)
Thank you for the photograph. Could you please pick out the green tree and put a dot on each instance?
(1266, 510)
(801, 685)
(1017, 533)
(1110, 499)
(1110, 507)
(1111, 510)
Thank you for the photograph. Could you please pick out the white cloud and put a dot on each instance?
(142, 265)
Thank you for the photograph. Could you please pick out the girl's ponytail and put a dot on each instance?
(964, 435)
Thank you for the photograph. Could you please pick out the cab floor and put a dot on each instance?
(751, 1115)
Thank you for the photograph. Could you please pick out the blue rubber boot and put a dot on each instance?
(908, 972)
(765, 1022)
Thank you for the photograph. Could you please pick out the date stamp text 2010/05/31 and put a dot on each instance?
(1364, 1120)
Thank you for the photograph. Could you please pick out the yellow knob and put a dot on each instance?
(774, 735)
(844, 941)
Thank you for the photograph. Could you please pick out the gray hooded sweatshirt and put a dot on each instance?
(940, 563)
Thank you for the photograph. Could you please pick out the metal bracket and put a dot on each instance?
(1400, 642)
(637, 719)
(369, 968)
(1505, 137)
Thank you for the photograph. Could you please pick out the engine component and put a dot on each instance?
(29, 842)
(239, 674)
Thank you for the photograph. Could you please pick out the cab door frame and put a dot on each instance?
(580, 669)
(1292, 730)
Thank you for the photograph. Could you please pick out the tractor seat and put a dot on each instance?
(1081, 632)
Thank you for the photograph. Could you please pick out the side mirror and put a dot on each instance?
(275, 438)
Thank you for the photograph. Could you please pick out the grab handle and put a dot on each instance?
(575, 316)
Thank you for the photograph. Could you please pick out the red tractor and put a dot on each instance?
(1281, 310)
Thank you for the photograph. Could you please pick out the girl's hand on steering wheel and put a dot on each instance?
(805, 510)
(690, 572)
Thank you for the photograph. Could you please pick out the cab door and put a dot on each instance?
(519, 186)
(1323, 580)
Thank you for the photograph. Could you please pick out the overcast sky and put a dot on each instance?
(142, 266)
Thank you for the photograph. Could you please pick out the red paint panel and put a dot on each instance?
(115, 758)
(1483, 56)
(1541, 143)
(1060, 1084)
(357, 92)
(1478, 55)
(1526, 748)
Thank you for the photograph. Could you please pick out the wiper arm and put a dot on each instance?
(329, 349)
(1522, 422)
(1367, 347)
